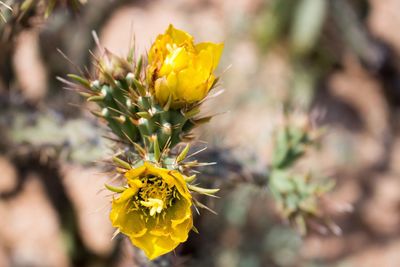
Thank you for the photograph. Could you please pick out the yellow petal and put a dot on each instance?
(178, 36)
(162, 91)
(154, 246)
(180, 184)
(188, 80)
(181, 230)
(126, 195)
(128, 221)
(204, 62)
(175, 61)
(134, 173)
(180, 218)
(152, 169)
(214, 49)
(172, 82)
(135, 183)
(159, 48)
(161, 172)
(179, 212)
(166, 244)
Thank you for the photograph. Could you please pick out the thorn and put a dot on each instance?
(191, 113)
(156, 148)
(197, 152)
(95, 98)
(116, 189)
(139, 67)
(115, 234)
(204, 191)
(144, 114)
(121, 163)
(140, 87)
(80, 80)
(168, 104)
(189, 179)
(97, 42)
(183, 154)
(201, 205)
(194, 229)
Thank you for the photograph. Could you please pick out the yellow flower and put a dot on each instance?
(154, 210)
(180, 69)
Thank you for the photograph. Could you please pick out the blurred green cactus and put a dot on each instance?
(297, 194)
(18, 8)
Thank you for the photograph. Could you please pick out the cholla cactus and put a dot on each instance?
(151, 109)
(49, 5)
(297, 194)
(4, 7)
(21, 7)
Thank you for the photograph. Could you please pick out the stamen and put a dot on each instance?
(155, 205)
(154, 196)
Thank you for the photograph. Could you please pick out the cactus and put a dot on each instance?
(49, 5)
(151, 106)
(297, 194)
(128, 104)
(18, 9)
(130, 110)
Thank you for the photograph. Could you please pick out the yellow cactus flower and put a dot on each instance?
(179, 69)
(154, 210)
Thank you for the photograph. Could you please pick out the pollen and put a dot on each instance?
(154, 196)
(156, 205)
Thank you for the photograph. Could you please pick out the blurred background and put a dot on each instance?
(337, 61)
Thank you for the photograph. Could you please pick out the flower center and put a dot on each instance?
(155, 205)
(154, 195)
